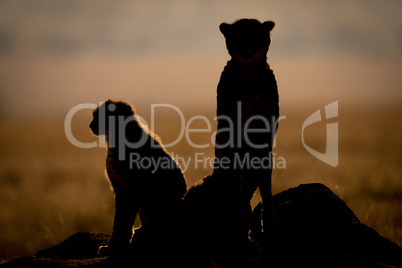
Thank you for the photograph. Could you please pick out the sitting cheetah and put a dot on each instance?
(153, 187)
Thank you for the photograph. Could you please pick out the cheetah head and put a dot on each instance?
(247, 40)
(108, 113)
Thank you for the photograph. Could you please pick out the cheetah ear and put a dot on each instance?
(225, 28)
(268, 25)
(110, 105)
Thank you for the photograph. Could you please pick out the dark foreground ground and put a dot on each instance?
(316, 229)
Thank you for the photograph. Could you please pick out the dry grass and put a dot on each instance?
(50, 189)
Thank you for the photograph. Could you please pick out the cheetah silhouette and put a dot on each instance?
(215, 214)
(150, 188)
(247, 100)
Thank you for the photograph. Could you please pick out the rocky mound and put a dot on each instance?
(315, 229)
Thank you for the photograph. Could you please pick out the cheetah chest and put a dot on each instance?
(116, 170)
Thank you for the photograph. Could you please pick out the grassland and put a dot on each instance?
(50, 189)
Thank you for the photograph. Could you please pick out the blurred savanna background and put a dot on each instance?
(56, 54)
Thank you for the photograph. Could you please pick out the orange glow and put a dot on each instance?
(55, 56)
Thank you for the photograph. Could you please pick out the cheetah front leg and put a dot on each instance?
(265, 186)
(124, 216)
(269, 235)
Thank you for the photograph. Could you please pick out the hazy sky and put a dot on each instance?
(57, 53)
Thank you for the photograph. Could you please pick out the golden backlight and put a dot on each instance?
(56, 56)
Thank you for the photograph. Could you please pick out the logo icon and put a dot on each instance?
(330, 156)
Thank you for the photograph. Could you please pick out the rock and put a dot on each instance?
(78, 246)
(315, 228)
(78, 250)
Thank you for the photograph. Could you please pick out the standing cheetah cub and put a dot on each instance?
(248, 106)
